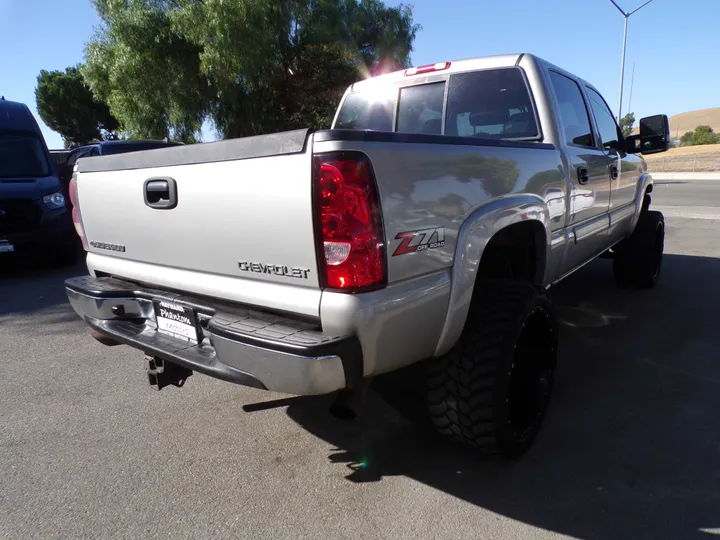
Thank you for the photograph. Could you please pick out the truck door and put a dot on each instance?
(588, 171)
(623, 173)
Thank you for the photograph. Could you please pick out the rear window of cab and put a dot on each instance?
(492, 103)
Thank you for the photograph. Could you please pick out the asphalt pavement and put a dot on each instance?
(630, 449)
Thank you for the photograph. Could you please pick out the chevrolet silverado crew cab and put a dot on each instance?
(426, 225)
(34, 215)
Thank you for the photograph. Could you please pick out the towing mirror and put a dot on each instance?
(654, 136)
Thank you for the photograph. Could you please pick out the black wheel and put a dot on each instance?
(638, 258)
(492, 389)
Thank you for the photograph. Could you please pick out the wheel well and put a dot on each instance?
(515, 252)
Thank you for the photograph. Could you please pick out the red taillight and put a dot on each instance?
(347, 210)
(426, 69)
(77, 219)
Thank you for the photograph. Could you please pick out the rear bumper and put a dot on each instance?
(238, 345)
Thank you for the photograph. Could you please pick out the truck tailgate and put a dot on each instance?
(247, 218)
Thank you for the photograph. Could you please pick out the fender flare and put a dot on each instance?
(475, 233)
(645, 185)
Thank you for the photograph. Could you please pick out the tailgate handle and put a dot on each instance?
(160, 193)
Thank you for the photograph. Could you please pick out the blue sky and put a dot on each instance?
(672, 43)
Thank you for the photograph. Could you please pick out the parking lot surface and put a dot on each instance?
(630, 449)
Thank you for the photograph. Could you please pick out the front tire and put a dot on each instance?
(638, 258)
(492, 390)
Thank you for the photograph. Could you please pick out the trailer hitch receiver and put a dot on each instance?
(161, 373)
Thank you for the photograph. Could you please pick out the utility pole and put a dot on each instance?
(632, 83)
(622, 63)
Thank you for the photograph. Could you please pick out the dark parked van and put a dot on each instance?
(34, 214)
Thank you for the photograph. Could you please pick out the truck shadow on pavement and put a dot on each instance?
(631, 446)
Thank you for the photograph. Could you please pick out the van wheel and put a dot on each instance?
(638, 258)
(492, 390)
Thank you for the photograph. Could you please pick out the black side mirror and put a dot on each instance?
(654, 134)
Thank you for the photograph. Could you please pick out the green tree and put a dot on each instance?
(148, 73)
(67, 105)
(686, 139)
(701, 135)
(705, 135)
(250, 66)
(626, 124)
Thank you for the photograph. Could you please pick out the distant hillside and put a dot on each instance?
(688, 121)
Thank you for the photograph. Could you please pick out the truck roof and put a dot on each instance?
(468, 64)
(458, 66)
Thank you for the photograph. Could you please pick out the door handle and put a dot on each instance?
(160, 193)
(613, 172)
(583, 177)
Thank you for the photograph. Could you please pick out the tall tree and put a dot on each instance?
(626, 124)
(250, 66)
(67, 105)
(147, 72)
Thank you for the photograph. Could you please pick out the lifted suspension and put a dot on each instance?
(161, 373)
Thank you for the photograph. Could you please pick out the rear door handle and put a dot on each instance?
(160, 193)
(613, 172)
(583, 177)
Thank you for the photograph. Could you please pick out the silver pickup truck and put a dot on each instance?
(427, 225)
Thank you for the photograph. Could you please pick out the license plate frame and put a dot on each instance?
(177, 321)
(6, 246)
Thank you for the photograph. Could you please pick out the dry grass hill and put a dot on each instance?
(688, 121)
(689, 158)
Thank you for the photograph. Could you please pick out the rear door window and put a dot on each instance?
(573, 112)
(610, 134)
(493, 103)
(22, 156)
(420, 109)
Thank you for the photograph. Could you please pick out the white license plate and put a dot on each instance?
(6, 247)
(176, 320)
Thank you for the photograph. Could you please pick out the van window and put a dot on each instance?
(22, 155)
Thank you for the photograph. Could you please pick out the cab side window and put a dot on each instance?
(610, 135)
(573, 112)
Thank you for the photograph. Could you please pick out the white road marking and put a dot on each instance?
(690, 212)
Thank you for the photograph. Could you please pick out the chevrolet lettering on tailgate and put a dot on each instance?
(276, 269)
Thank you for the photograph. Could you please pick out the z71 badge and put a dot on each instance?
(413, 241)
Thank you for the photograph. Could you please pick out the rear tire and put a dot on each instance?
(492, 390)
(638, 258)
